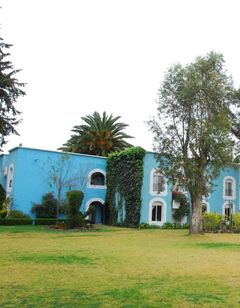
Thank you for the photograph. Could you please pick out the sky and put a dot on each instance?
(81, 56)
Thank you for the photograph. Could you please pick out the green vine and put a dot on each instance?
(124, 184)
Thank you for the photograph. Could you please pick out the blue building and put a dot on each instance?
(27, 174)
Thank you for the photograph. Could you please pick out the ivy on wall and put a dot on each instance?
(124, 184)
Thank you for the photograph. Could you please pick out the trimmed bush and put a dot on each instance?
(211, 221)
(145, 225)
(236, 222)
(18, 214)
(74, 217)
(15, 221)
(48, 207)
(47, 221)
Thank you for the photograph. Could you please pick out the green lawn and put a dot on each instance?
(116, 267)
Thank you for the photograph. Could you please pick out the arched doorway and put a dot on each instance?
(97, 217)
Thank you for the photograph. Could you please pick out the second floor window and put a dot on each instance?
(229, 188)
(97, 179)
(158, 183)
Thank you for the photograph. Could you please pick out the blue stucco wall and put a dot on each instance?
(216, 200)
(150, 164)
(32, 175)
(31, 180)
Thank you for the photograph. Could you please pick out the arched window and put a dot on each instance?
(158, 183)
(228, 210)
(229, 188)
(205, 207)
(10, 178)
(97, 179)
(157, 211)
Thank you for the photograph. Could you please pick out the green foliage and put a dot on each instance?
(124, 179)
(15, 221)
(47, 221)
(236, 222)
(192, 132)
(183, 209)
(74, 217)
(3, 213)
(2, 196)
(10, 92)
(145, 225)
(48, 207)
(99, 135)
(211, 221)
(4, 210)
(18, 214)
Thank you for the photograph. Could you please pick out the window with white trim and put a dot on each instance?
(158, 184)
(10, 178)
(205, 207)
(157, 207)
(229, 188)
(228, 211)
(97, 179)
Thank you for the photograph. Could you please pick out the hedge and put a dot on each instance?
(47, 221)
(23, 221)
(15, 221)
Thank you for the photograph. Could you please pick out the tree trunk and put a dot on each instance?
(196, 226)
(59, 201)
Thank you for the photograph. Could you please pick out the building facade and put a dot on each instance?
(27, 174)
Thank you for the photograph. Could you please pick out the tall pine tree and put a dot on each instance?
(10, 91)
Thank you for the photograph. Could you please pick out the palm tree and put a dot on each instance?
(98, 136)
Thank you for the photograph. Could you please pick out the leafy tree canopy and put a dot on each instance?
(99, 135)
(10, 91)
(193, 127)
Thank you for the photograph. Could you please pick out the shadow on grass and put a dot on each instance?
(219, 245)
(52, 259)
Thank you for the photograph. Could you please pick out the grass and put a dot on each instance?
(117, 267)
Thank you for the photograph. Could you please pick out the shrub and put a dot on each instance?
(90, 211)
(211, 221)
(74, 217)
(169, 225)
(145, 225)
(4, 207)
(2, 196)
(48, 207)
(15, 221)
(18, 214)
(236, 222)
(47, 221)
(3, 213)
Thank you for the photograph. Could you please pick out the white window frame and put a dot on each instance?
(226, 178)
(164, 212)
(89, 185)
(152, 192)
(10, 174)
(227, 205)
(89, 202)
(207, 205)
